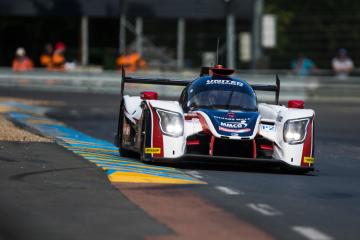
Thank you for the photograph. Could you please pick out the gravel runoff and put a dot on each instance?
(11, 133)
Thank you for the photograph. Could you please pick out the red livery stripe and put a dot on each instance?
(157, 136)
(189, 116)
(254, 149)
(203, 123)
(193, 142)
(307, 147)
(211, 148)
(266, 147)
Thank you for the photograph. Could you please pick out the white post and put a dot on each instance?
(180, 43)
(84, 40)
(139, 35)
(256, 31)
(245, 47)
(230, 41)
(122, 34)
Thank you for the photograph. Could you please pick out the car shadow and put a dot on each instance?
(246, 167)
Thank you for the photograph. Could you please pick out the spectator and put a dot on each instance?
(58, 58)
(131, 62)
(46, 56)
(21, 62)
(342, 64)
(303, 66)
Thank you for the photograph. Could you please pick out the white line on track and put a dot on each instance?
(228, 191)
(311, 233)
(264, 209)
(194, 174)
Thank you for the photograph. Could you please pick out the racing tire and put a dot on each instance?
(122, 152)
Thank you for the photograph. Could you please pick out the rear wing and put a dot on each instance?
(269, 88)
(175, 82)
(157, 81)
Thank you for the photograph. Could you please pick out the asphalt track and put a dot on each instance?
(73, 204)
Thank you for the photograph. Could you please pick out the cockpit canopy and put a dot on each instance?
(229, 94)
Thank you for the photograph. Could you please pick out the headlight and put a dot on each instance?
(295, 130)
(171, 123)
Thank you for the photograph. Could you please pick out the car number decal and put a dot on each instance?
(152, 150)
(309, 160)
(268, 128)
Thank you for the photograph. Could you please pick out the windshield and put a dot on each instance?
(231, 99)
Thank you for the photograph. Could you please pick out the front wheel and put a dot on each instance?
(122, 125)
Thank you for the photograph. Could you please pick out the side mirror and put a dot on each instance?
(192, 106)
(149, 95)
(296, 104)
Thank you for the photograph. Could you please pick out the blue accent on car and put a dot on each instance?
(234, 123)
(210, 83)
(220, 93)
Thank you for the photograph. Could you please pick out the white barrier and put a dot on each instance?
(292, 87)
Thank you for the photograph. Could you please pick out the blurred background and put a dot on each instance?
(66, 55)
(308, 42)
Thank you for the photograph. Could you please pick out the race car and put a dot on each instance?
(216, 117)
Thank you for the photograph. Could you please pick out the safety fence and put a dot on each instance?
(314, 88)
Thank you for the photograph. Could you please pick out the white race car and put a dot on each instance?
(217, 117)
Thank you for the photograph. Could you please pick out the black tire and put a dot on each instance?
(122, 152)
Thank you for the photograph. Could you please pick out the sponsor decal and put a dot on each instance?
(231, 119)
(268, 128)
(234, 125)
(309, 160)
(152, 150)
(230, 115)
(234, 130)
(224, 82)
